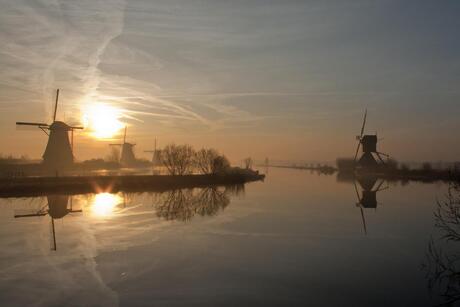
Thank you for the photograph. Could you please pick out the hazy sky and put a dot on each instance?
(282, 79)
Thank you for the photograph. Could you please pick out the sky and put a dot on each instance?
(287, 80)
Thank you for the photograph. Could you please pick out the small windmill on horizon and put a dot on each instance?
(155, 153)
(127, 151)
(59, 149)
(369, 147)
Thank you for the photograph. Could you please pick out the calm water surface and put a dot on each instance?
(295, 239)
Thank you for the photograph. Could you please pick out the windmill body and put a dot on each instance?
(369, 145)
(155, 153)
(127, 152)
(59, 149)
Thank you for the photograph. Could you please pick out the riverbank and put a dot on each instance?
(427, 176)
(389, 174)
(40, 186)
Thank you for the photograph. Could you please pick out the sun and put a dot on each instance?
(102, 120)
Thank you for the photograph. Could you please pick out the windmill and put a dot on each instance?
(56, 208)
(155, 153)
(127, 153)
(368, 197)
(59, 150)
(369, 147)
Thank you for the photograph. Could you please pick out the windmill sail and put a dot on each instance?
(52, 236)
(56, 105)
(359, 138)
(32, 124)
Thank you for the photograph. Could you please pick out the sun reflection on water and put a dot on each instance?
(104, 204)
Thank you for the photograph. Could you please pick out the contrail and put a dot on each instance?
(92, 78)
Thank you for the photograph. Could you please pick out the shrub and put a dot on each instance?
(426, 166)
(220, 164)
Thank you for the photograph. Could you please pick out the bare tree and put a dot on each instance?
(204, 160)
(248, 163)
(178, 159)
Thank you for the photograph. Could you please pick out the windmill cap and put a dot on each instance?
(58, 125)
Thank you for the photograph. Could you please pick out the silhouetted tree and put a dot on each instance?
(178, 159)
(204, 160)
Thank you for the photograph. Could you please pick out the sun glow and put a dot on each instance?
(102, 120)
(103, 204)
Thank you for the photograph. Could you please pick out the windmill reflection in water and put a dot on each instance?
(57, 207)
(368, 197)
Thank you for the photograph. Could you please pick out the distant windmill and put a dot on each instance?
(59, 150)
(369, 144)
(56, 208)
(368, 197)
(127, 153)
(155, 153)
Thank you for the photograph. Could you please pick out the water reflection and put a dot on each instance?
(442, 264)
(181, 205)
(143, 252)
(104, 204)
(184, 204)
(368, 197)
(57, 207)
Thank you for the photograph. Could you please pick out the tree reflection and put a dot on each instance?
(443, 262)
(184, 204)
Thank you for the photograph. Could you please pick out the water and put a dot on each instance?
(295, 239)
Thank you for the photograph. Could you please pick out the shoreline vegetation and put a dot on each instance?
(391, 171)
(183, 167)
